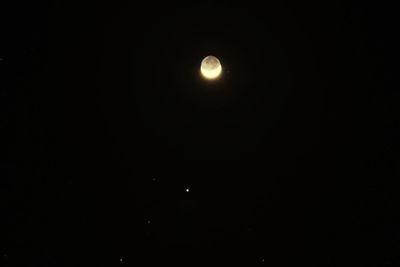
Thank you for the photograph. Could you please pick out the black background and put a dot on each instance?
(289, 157)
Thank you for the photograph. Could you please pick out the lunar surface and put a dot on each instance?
(211, 67)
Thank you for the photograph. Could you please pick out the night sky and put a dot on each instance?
(119, 153)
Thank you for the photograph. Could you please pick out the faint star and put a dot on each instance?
(148, 221)
(187, 190)
(120, 259)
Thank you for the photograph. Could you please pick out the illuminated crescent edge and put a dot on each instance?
(211, 74)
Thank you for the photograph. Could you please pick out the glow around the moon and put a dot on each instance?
(211, 67)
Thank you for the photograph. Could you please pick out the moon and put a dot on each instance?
(211, 67)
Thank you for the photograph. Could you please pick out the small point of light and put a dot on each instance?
(120, 259)
(148, 221)
(187, 190)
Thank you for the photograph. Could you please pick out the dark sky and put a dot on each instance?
(289, 157)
